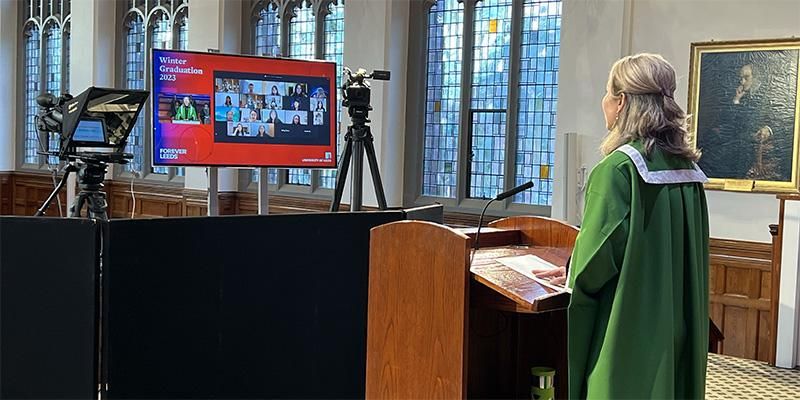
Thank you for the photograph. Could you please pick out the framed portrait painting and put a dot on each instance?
(743, 99)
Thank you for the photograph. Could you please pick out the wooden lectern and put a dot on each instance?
(440, 329)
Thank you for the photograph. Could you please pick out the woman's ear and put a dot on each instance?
(623, 99)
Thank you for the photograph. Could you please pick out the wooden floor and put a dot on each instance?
(737, 378)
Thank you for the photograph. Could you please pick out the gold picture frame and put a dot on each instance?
(744, 102)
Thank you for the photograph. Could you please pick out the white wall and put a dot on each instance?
(591, 40)
(376, 37)
(595, 33)
(8, 76)
(717, 20)
(214, 24)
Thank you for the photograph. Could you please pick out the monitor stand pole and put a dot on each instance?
(213, 191)
(263, 192)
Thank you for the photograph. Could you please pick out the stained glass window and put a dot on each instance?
(157, 25)
(334, 51)
(32, 51)
(183, 44)
(268, 33)
(53, 77)
(487, 124)
(490, 52)
(268, 43)
(536, 128)
(45, 33)
(442, 105)
(134, 79)
(302, 36)
(301, 45)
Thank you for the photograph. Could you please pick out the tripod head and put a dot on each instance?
(356, 93)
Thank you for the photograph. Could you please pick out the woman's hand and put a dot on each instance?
(556, 276)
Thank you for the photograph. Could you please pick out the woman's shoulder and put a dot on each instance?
(616, 167)
(616, 161)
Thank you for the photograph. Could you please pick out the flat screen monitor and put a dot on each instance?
(90, 131)
(214, 109)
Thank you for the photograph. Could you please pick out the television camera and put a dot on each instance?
(93, 130)
(358, 139)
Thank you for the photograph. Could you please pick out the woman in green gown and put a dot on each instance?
(638, 317)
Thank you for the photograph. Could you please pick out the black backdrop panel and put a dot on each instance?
(48, 271)
(239, 307)
(430, 213)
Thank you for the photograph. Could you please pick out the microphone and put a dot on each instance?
(502, 196)
(520, 188)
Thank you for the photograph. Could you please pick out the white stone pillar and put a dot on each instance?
(788, 300)
(376, 37)
(9, 28)
(214, 24)
(92, 36)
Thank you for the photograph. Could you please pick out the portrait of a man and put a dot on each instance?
(744, 105)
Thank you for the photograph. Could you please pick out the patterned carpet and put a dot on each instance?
(736, 378)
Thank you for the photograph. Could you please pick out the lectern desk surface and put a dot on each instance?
(517, 292)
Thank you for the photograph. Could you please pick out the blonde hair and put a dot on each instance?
(650, 113)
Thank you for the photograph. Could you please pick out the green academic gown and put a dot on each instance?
(638, 317)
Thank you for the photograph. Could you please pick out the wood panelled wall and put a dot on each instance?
(742, 291)
(22, 193)
(741, 297)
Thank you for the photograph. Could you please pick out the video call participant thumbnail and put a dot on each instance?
(250, 115)
(319, 118)
(297, 90)
(296, 103)
(297, 117)
(227, 107)
(271, 116)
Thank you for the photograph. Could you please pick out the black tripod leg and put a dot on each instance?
(356, 181)
(341, 174)
(77, 205)
(376, 174)
(53, 195)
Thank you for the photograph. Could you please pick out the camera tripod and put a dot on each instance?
(91, 173)
(358, 140)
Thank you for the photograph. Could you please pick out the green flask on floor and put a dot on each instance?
(542, 387)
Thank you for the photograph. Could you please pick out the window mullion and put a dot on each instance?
(285, 13)
(464, 147)
(512, 115)
(42, 85)
(413, 121)
(147, 159)
(320, 12)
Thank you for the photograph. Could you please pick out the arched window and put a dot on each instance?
(334, 51)
(268, 32)
(32, 58)
(53, 72)
(301, 45)
(149, 24)
(45, 69)
(496, 128)
(299, 21)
